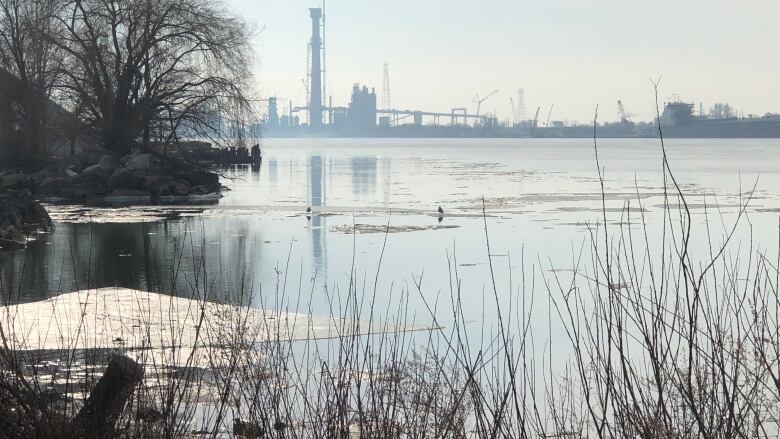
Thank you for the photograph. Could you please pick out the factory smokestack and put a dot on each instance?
(315, 96)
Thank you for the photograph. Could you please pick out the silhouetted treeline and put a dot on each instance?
(117, 74)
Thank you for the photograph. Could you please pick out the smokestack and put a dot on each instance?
(315, 104)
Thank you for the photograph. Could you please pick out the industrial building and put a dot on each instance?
(362, 116)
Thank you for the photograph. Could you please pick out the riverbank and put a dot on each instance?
(100, 175)
(21, 219)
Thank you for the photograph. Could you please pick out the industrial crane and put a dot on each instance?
(479, 101)
(549, 115)
(514, 110)
(536, 120)
(625, 118)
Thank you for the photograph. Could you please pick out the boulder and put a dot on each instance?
(72, 171)
(42, 175)
(130, 193)
(203, 178)
(54, 186)
(21, 217)
(108, 163)
(86, 189)
(157, 183)
(16, 181)
(140, 162)
(181, 188)
(94, 174)
(200, 190)
(124, 178)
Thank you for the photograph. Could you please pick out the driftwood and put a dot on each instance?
(106, 402)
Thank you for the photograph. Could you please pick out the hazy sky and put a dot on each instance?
(570, 53)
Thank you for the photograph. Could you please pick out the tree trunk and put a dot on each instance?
(106, 402)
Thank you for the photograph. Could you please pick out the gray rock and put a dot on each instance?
(124, 178)
(83, 189)
(157, 183)
(13, 181)
(54, 186)
(71, 171)
(108, 163)
(130, 193)
(20, 217)
(181, 188)
(94, 174)
(141, 161)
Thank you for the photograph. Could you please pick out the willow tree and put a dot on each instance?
(139, 72)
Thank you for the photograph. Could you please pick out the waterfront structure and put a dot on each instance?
(315, 80)
(362, 111)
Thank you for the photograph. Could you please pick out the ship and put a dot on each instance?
(679, 121)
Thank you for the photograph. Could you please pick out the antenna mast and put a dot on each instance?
(521, 112)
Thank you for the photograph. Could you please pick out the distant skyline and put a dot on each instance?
(572, 54)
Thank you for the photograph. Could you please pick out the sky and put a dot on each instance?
(567, 55)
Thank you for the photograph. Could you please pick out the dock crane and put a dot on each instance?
(514, 110)
(549, 115)
(625, 118)
(479, 101)
(536, 121)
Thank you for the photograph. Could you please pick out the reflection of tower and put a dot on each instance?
(318, 222)
(386, 172)
(363, 171)
(315, 94)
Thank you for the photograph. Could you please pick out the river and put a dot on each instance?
(540, 196)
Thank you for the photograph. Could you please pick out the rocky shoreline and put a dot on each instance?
(96, 177)
(21, 218)
(100, 175)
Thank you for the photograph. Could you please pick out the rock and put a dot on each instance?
(156, 183)
(131, 193)
(71, 171)
(14, 181)
(108, 163)
(85, 189)
(181, 188)
(38, 178)
(124, 178)
(20, 218)
(248, 430)
(141, 161)
(203, 178)
(94, 174)
(200, 190)
(54, 186)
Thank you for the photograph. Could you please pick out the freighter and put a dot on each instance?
(678, 120)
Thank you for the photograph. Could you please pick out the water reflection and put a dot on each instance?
(541, 196)
(363, 172)
(318, 223)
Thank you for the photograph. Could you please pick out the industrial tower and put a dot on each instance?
(315, 84)
(386, 103)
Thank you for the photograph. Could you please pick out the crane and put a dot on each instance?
(549, 115)
(625, 118)
(536, 120)
(479, 101)
(514, 110)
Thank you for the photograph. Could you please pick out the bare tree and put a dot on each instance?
(29, 64)
(143, 71)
